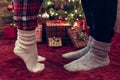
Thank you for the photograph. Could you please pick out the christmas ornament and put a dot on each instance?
(51, 11)
(62, 6)
(76, 24)
(45, 15)
(13, 24)
(10, 7)
(60, 18)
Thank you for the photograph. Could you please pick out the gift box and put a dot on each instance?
(54, 42)
(10, 32)
(58, 28)
(38, 33)
(78, 37)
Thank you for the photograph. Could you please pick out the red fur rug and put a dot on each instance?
(13, 68)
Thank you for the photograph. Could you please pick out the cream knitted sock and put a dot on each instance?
(40, 58)
(26, 49)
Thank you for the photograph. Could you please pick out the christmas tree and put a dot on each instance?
(6, 13)
(70, 10)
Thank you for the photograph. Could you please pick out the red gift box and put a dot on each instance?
(10, 32)
(78, 37)
(58, 28)
(38, 33)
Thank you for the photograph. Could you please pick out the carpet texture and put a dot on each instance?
(13, 68)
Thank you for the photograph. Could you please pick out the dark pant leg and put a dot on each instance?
(87, 12)
(103, 15)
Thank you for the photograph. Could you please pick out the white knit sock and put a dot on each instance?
(96, 57)
(26, 49)
(40, 58)
(79, 53)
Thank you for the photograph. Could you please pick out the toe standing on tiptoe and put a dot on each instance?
(101, 17)
(25, 17)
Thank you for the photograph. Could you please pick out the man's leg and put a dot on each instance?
(97, 56)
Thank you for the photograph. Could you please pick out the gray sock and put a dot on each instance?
(96, 57)
(79, 53)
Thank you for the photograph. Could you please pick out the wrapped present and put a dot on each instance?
(10, 32)
(58, 28)
(78, 37)
(38, 33)
(54, 42)
(82, 24)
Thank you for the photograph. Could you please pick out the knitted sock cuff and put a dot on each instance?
(26, 33)
(101, 45)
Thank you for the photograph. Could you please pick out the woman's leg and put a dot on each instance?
(25, 17)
